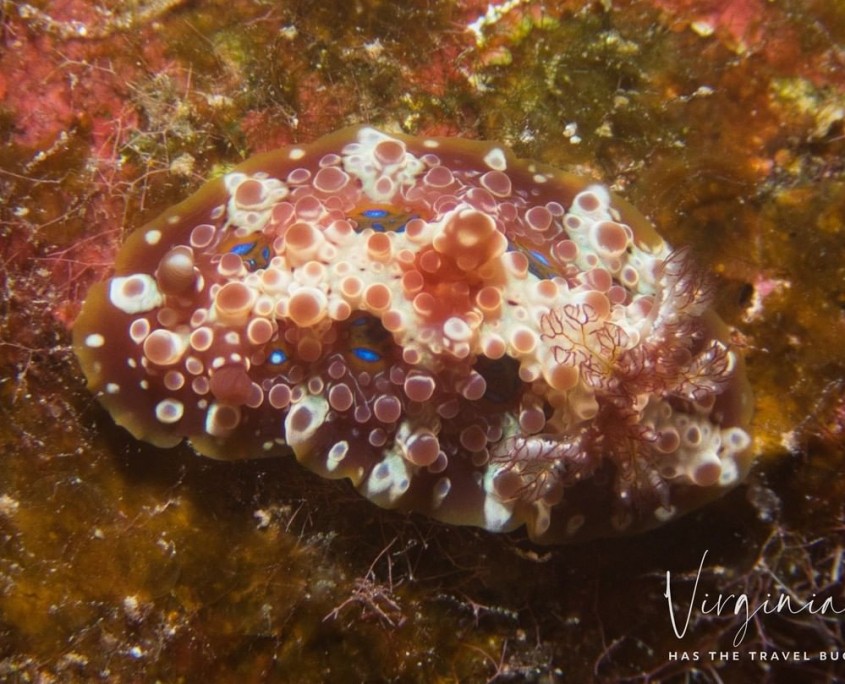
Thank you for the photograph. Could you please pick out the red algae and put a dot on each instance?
(122, 561)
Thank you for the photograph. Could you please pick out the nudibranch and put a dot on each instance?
(485, 340)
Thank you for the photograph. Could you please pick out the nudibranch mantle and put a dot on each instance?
(482, 339)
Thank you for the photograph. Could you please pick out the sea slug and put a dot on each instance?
(485, 340)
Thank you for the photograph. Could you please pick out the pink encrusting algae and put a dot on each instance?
(482, 339)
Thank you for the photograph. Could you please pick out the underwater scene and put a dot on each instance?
(433, 341)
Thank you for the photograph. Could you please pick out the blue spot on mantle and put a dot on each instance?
(366, 354)
(244, 248)
(277, 356)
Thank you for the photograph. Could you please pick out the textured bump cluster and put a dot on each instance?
(488, 341)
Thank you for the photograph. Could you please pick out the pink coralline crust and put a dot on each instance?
(772, 32)
(737, 19)
(47, 97)
(485, 340)
(52, 111)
